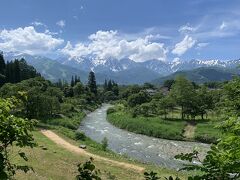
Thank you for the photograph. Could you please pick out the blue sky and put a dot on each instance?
(136, 29)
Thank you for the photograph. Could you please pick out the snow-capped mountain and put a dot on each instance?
(123, 71)
(160, 67)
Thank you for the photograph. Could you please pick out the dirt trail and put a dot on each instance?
(60, 141)
(189, 131)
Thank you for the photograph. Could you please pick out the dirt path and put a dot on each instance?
(189, 131)
(60, 141)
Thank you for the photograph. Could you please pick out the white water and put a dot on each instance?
(143, 148)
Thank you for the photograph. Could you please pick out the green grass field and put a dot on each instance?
(168, 129)
(206, 132)
(151, 126)
(59, 164)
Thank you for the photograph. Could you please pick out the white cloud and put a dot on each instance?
(38, 23)
(28, 40)
(187, 29)
(181, 47)
(47, 31)
(201, 45)
(109, 44)
(223, 26)
(61, 23)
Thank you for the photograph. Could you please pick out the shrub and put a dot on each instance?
(80, 136)
(104, 143)
(88, 171)
(111, 110)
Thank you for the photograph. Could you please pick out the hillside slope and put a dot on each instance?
(200, 75)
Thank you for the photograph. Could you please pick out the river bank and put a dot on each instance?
(143, 148)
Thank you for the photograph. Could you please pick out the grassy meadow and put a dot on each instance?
(51, 161)
(170, 128)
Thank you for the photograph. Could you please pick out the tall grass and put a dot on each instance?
(205, 132)
(71, 123)
(150, 126)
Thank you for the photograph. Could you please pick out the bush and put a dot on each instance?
(111, 110)
(88, 171)
(67, 108)
(104, 143)
(80, 136)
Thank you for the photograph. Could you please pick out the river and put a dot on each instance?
(140, 147)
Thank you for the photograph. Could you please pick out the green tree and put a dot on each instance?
(115, 89)
(168, 83)
(183, 93)
(78, 89)
(72, 82)
(68, 91)
(230, 101)
(13, 131)
(92, 85)
(204, 101)
(2, 70)
(109, 85)
(17, 73)
(138, 99)
(222, 161)
(165, 105)
(105, 86)
(2, 63)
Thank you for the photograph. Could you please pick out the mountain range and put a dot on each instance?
(126, 71)
(200, 75)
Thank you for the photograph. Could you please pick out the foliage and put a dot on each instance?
(183, 93)
(151, 176)
(13, 131)
(80, 136)
(43, 99)
(223, 160)
(104, 143)
(111, 110)
(70, 123)
(15, 71)
(231, 98)
(92, 85)
(168, 83)
(138, 99)
(87, 171)
(78, 89)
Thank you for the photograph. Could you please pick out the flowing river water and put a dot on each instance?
(140, 147)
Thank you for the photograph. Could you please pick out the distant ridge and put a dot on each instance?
(200, 75)
(126, 71)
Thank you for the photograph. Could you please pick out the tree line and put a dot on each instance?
(15, 71)
(192, 100)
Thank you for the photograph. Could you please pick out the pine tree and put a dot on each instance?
(92, 85)
(7, 73)
(2, 70)
(72, 82)
(110, 85)
(105, 85)
(115, 89)
(2, 64)
(17, 74)
(75, 80)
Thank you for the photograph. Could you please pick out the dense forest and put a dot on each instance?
(29, 101)
(15, 71)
